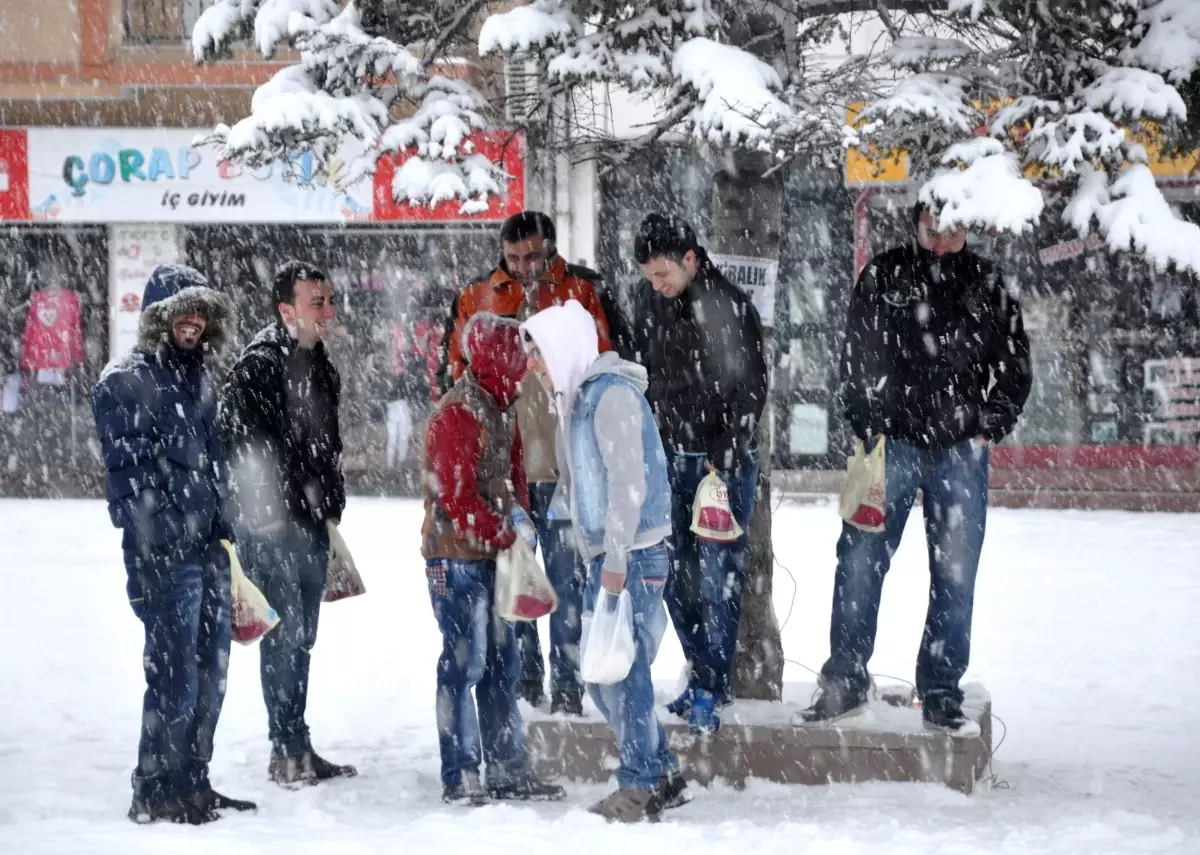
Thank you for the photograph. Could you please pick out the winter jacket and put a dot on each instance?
(703, 351)
(925, 337)
(502, 295)
(279, 417)
(156, 418)
(471, 465)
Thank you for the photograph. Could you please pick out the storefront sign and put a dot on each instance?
(156, 175)
(14, 175)
(1069, 249)
(134, 252)
(755, 276)
(1175, 384)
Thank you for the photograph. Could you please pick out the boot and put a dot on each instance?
(567, 702)
(527, 789)
(704, 718)
(293, 772)
(946, 715)
(178, 811)
(469, 793)
(629, 806)
(324, 770)
(211, 800)
(532, 692)
(682, 705)
(831, 706)
(673, 791)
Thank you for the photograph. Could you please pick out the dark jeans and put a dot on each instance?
(289, 568)
(185, 611)
(704, 594)
(955, 485)
(566, 573)
(479, 652)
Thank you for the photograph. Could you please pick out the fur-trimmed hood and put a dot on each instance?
(174, 290)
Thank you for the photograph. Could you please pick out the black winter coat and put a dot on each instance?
(925, 339)
(279, 418)
(703, 351)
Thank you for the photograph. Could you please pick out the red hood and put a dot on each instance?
(492, 345)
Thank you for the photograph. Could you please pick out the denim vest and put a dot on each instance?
(589, 477)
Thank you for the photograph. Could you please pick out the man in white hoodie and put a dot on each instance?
(613, 484)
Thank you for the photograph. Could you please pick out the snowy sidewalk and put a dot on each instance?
(1085, 635)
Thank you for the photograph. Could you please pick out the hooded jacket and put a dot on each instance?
(925, 339)
(156, 419)
(501, 294)
(703, 352)
(613, 469)
(471, 465)
(279, 417)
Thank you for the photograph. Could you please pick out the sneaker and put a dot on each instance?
(833, 706)
(527, 789)
(532, 692)
(704, 718)
(178, 811)
(629, 806)
(324, 770)
(567, 702)
(469, 793)
(211, 800)
(293, 772)
(682, 705)
(673, 791)
(946, 714)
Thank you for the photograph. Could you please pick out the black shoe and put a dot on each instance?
(629, 806)
(469, 793)
(324, 770)
(211, 800)
(567, 702)
(682, 705)
(673, 791)
(527, 789)
(178, 811)
(532, 692)
(833, 705)
(292, 772)
(946, 714)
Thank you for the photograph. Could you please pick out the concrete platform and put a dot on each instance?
(758, 740)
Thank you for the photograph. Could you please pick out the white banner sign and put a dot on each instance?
(134, 252)
(114, 175)
(755, 276)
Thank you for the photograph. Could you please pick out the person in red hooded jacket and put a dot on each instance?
(473, 477)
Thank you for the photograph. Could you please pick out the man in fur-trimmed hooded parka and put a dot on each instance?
(156, 417)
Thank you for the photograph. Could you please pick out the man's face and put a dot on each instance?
(527, 259)
(187, 330)
(936, 242)
(310, 314)
(536, 363)
(668, 277)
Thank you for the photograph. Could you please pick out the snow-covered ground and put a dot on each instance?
(1085, 634)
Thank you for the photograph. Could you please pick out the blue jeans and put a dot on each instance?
(289, 568)
(955, 485)
(565, 570)
(704, 594)
(185, 610)
(628, 706)
(479, 651)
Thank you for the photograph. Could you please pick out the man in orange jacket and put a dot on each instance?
(532, 276)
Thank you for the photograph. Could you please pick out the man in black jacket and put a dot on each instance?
(279, 417)
(936, 365)
(701, 342)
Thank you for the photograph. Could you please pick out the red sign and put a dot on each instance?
(862, 232)
(14, 175)
(503, 147)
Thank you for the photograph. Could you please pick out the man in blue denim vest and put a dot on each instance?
(613, 485)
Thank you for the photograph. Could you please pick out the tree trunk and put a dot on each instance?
(747, 220)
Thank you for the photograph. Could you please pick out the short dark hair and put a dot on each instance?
(663, 234)
(525, 225)
(288, 274)
(917, 210)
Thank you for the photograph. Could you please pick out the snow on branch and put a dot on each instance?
(736, 91)
(1170, 43)
(918, 51)
(985, 189)
(937, 98)
(218, 25)
(1134, 92)
(527, 28)
(1078, 138)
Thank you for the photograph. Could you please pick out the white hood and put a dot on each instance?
(566, 335)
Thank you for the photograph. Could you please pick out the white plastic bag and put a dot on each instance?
(607, 647)
(252, 616)
(712, 515)
(863, 501)
(341, 576)
(523, 591)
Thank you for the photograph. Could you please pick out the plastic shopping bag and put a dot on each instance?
(712, 517)
(523, 591)
(607, 649)
(341, 576)
(252, 616)
(863, 500)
